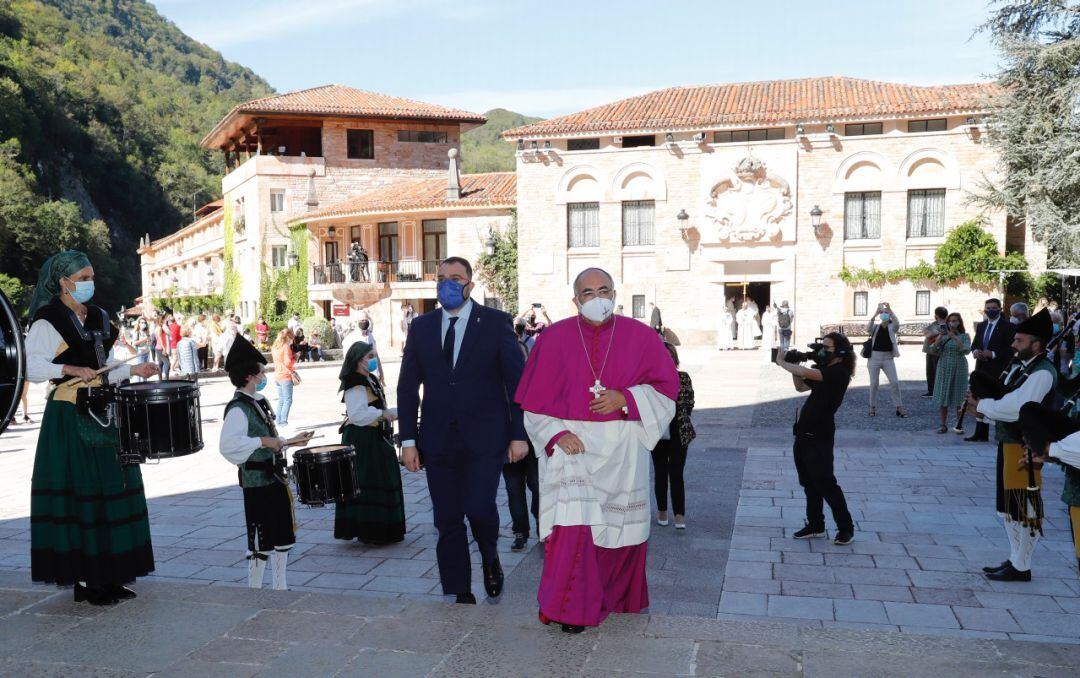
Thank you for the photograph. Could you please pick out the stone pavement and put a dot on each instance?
(760, 602)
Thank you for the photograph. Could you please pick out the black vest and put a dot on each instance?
(82, 339)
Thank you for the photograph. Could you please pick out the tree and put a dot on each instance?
(1035, 121)
(499, 271)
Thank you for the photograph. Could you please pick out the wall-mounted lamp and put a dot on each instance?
(800, 130)
(532, 145)
(490, 243)
(331, 232)
(971, 121)
(294, 259)
(830, 129)
(815, 219)
(684, 225)
(521, 145)
(669, 138)
(547, 144)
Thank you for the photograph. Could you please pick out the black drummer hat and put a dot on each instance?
(1040, 326)
(242, 352)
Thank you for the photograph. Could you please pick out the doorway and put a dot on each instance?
(758, 292)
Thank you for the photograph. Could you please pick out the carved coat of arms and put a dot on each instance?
(749, 204)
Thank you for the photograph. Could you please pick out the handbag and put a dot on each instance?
(295, 379)
(868, 345)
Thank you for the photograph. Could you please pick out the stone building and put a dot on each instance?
(351, 165)
(691, 196)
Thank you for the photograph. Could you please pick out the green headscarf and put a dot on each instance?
(353, 357)
(55, 267)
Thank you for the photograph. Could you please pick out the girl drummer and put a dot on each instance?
(88, 522)
(377, 514)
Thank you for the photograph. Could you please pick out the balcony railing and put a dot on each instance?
(375, 272)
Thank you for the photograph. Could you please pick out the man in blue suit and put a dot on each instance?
(468, 360)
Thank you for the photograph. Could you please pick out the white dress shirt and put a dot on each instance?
(360, 413)
(236, 444)
(1007, 408)
(42, 343)
(462, 314)
(1067, 450)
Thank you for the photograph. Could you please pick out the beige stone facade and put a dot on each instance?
(748, 215)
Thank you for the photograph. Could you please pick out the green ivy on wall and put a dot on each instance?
(204, 303)
(290, 283)
(969, 255)
(230, 289)
(499, 271)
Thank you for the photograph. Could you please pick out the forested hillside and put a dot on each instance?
(102, 105)
(483, 150)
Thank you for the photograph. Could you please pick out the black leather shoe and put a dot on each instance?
(976, 439)
(994, 568)
(520, 542)
(1009, 573)
(493, 579)
(466, 599)
(121, 592)
(570, 628)
(93, 596)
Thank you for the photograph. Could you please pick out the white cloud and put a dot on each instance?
(540, 102)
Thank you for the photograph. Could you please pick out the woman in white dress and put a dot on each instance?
(745, 318)
(725, 340)
(768, 328)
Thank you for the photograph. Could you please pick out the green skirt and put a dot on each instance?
(88, 520)
(377, 514)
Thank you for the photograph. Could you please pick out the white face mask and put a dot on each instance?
(598, 309)
(1014, 320)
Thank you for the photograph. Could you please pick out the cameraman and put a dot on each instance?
(827, 381)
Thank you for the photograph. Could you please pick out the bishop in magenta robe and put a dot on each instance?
(593, 459)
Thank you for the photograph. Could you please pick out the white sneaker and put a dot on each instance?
(680, 526)
(663, 523)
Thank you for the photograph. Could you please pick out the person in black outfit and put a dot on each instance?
(522, 474)
(815, 431)
(669, 455)
(992, 350)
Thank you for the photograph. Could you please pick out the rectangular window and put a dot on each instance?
(354, 234)
(747, 135)
(360, 144)
(922, 302)
(862, 129)
(638, 141)
(583, 144)
(638, 217)
(277, 202)
(583, 224)
(434, 244)
(926, 213)
(860, 303)
(862, 215)
(421, 136)
(638, 305)
(933, 125)
(388, 241)
(279, 256)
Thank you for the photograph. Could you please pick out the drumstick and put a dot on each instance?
(298, 440)
(103, 370)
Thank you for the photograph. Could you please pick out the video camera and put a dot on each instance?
(797, 357)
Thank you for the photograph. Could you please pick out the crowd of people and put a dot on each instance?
(569, 411)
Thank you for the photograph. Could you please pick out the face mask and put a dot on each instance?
(373, 365)
(824, 355)
(451, 294)
(364, 325)
(1014, 320)
(954, 325)
(84, 290)
(262, 383)
(993, 313)
(597, 309)
(884, 317)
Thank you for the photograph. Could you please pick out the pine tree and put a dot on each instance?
(1035, 121)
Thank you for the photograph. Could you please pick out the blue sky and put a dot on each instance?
(557, 56)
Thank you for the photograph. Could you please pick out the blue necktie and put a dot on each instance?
(448, 344)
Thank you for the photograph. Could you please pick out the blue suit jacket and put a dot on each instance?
(477, 395)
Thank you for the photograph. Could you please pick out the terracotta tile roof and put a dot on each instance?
(495, 189)
(331, 100)
(771, 102)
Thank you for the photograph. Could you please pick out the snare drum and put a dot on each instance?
(325, 474)
(158, 420)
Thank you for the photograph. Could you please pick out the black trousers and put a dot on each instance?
(931, 372)
(814, 463)
(203, 353)
(669, 458)
(518, 476)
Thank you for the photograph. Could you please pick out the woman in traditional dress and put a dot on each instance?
(951, 382)
(88, 522)
(377, 514)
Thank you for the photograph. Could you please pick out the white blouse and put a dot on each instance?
(236, 445)
(42, 344)
(360, 413)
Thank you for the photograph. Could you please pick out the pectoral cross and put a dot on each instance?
(596, 389)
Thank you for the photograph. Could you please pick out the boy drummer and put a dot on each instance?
(250, 440)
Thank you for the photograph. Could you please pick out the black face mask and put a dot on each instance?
(824, 355)
(364, 325)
